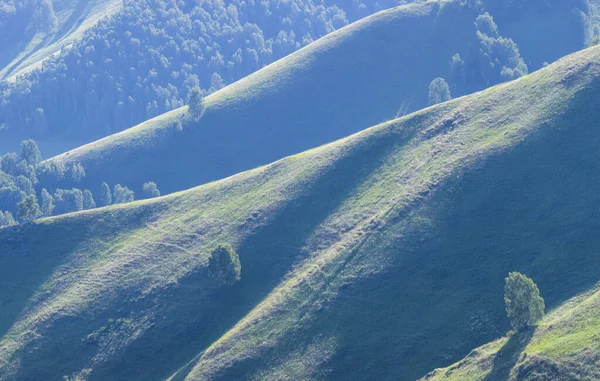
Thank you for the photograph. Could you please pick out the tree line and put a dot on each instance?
(29, 188)
(145, 59)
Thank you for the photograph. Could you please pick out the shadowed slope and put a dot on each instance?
(371, 257)
(295, 104)
(563, 347)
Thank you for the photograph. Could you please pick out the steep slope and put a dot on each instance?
(72, 19)
(564, 346)
(380, 256)
(295, 104)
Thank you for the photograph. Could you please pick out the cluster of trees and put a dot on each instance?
(29, 188)
(492, 59)
(145, 59)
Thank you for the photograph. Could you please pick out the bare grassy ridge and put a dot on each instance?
(379, 256)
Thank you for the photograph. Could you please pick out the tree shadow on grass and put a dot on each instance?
(508, 355)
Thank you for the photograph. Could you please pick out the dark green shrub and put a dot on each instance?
(28, 209)
(224, 265)
(524, 305)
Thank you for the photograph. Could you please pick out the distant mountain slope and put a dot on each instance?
(124, 72)
(565, 346)
(72, 19)
(380, 256)
(349, 80)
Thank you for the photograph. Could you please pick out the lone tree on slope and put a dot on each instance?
(524, 305)
(224, 265)
(439, 91)
(195, 104)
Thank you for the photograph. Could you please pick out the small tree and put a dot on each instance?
(122, 194)
(68, 200)
(224, 265)
(151, 190)
(77, 172)
(47, 203)
(50, 173)
(439, 91)
(28, 209)
(524, 305)
(105, 196)
(6, 219)
(88, 200)
(8, 163)
(30, 152)
(195, 104)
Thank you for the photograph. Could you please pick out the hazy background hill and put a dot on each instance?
(368, 72)
(143, 60)
(33, 30)
(407, 228)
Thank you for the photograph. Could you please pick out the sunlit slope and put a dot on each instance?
(379, 256)
(74, 18)
(565, 346)
(347, 81)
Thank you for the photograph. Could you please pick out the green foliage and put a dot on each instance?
(212, 42)
(122, 194)
(8, 163)
(524, 305)
(30, 152)
(24, 184)
(224, 265)
(47, 203)
(28, 209)
(439, 91)
(50, 173)
(195, 104)
(151, 190)
(7, 219)
(105, 195)
(77, 172)
(68, 200)
(88, 200)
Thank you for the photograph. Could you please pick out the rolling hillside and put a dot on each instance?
(73, 18)
(379, 256)
(563, 347)
(349, 80)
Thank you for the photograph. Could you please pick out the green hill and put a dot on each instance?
(563, 347)
(71, 18)
(379, 256)
(123, 71)
(349, 80)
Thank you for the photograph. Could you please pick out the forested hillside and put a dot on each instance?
(379, 256)
(398, 60)
(143, 61)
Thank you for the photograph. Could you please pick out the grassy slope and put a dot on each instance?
(74, 18)
(379, 256)
(307, 99)
(564, 346)
(295, 104)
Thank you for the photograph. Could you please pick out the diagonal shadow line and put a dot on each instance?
(508, 355)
